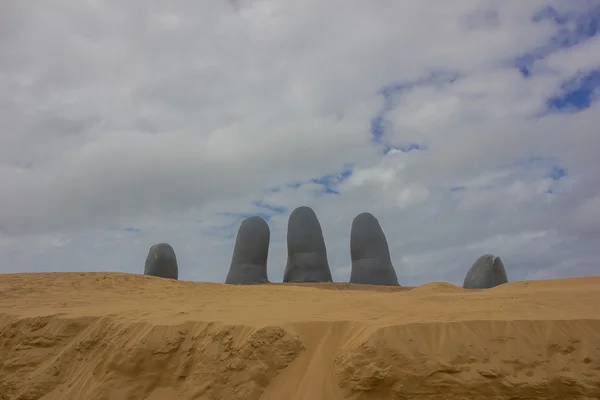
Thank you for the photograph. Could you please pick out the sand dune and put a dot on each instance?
(119, 336)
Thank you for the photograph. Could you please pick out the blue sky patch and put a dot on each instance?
(573, 28)
(270, 208)
(557, 173)
(578, 93)
(331, 181)
(544, 167)
(293, 185)
(266, 211)
(404, 149)
(392, 95)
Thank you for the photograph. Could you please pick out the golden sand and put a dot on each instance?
(112, 336)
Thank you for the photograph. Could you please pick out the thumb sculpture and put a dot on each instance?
(486, 272)
(161, 261)
(250, 253)
(307, 255)
(370, 254)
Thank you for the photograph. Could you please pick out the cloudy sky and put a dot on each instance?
(464, 126)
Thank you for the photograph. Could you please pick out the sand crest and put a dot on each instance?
(119, 336)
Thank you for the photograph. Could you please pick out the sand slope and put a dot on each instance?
(118, 336)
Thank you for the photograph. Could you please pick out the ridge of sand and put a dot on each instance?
(121, 336)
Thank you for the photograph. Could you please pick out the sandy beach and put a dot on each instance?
(120, 336)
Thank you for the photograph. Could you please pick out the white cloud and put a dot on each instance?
(175, 119)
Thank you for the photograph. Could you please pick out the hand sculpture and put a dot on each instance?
(370, 254)
(307, 255)
(249, 261)
(161, 261)
(486, 272)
